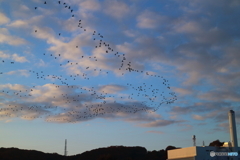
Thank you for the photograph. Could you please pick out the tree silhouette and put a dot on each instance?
(216, 143)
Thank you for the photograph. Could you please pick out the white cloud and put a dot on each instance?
(150, 20)
(23, 8)
(41, 63)
(3, 55)
(13, 86)
(21, 11)
(18, 24)
(15, 57)
(112, 88)
(92, 5)
(4, 19)
(20, 59)
(68, 25)
(182, 91)
(190, 27)
(116, 9)
(74, 46)
(29, 24)
(130, 33)
(198, 117)
(19, 72)
(5, 37)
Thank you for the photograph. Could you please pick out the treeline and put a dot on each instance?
(109, 153)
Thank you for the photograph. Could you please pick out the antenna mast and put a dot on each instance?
(65, 151)
(194, 140)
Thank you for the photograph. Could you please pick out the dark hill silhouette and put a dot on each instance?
(21, 154)
(113, 152)
(108, 153)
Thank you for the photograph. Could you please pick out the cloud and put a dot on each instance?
(19, 72)
(3, 19)
(13, 87)
(18, 24)
(216, 111)
(5, 37)
(92, 5)
(220, 94)
(142, 117)
(116, 9)
(130, 33)
(61, 47)
(4, 56)
(190, 27)
(75, 46)
(160, 123)
(150, 20)
(27, 24)
(14, 57)
(198, 117)
(17, 58)
(112, 88)
(209, 106)
(41, 63)
(185, 127)
(181, 110)
(140, 52)
(64, 104)
(157, 132)
(224, 126)
(182, 91)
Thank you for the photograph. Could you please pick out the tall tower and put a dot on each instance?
(233, 131)
(194, 140)
(65, 150)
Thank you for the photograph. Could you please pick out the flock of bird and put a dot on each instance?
(74, 103)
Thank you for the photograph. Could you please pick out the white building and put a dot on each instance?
(210, 152)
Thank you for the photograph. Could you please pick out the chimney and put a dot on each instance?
(233, 131)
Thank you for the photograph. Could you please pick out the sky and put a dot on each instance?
(105, 73)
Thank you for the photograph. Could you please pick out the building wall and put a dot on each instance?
(197, 153)
(203, 153)
(182, 153)
(188, 158)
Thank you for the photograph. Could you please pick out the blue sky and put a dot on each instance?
(58, 82)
